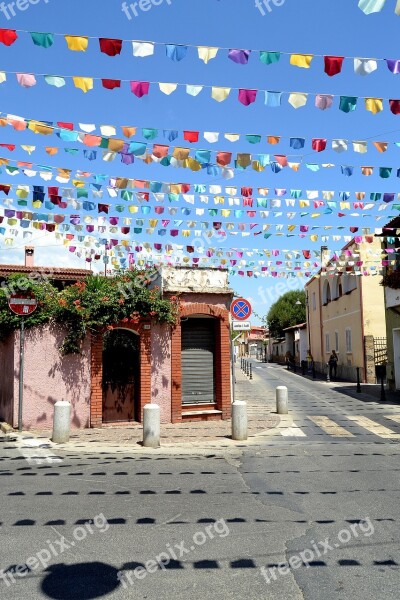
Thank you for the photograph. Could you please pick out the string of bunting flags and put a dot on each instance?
(66, 198)
(177, 52)
(374, 6)
(69, 132)
(294, 254)
(246, 96)
(159, 188)
(220, 195)
(180, 158)
(291, 264)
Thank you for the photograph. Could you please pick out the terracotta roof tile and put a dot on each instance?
(51, 272)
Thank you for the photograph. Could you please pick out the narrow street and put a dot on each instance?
(323, 498)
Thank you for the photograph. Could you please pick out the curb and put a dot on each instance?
(6, 428)
(10, 434)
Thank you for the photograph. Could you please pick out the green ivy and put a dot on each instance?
(88, 306)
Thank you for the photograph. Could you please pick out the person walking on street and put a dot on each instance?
(333, 361)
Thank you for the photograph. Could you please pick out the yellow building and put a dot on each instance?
(346, 312)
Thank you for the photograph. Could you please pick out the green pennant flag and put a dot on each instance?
(44, 40)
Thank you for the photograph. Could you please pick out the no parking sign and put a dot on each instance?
(241, 309)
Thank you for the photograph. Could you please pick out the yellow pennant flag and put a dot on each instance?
(374, 105)
(257, 166)
(206, 54)
(83, 83)
(38, 127)
(297, 99)
(232, 137)
(77, 43)
(301, 60)
(29, 149)
(220, 94)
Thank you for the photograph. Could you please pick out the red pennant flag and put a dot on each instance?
(318, 144)
(224, 158)
(247, 191)
(333, 65)
(191, 136)
(8, 36)
(159, 151)
(69, 126)
(281, 159)
(353, 229)
(110, 47)
(111, 84)
(395, 106)
(10, 147)
(307, 254)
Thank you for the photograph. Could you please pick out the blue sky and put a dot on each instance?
(316, 27)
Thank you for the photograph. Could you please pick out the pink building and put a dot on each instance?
(184, 369)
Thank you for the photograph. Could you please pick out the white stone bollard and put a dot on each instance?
(151, 426)
(282, 400)
(61, 422)
(239, 420)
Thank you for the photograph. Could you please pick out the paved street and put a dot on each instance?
(320, 492)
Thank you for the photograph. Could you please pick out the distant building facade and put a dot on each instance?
(346, 313)
(391, 248)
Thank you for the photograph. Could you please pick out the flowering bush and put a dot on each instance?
(91, 305)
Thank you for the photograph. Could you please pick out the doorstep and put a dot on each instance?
(201, 415)
(193, 413)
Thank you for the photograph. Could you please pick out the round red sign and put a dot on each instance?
(241, 309)
(22, 305)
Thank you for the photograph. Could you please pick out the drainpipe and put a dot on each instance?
(362, 329)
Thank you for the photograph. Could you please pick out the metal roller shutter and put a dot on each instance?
(198, 343)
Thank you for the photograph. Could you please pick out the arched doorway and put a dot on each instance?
(121, 376)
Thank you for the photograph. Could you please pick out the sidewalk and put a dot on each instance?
(370, 392)
(198, 436)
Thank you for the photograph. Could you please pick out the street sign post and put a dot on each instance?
(241, 309)
(241, 326)
(23, 306)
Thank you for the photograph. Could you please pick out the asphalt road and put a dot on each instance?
(215, 527)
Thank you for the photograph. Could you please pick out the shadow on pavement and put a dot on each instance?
(82, 581)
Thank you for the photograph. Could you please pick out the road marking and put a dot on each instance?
(293, 431)
(37, 452)
(376, 428)
(330, 427)
(395, 418)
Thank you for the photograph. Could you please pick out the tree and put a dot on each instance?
(286, 313)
